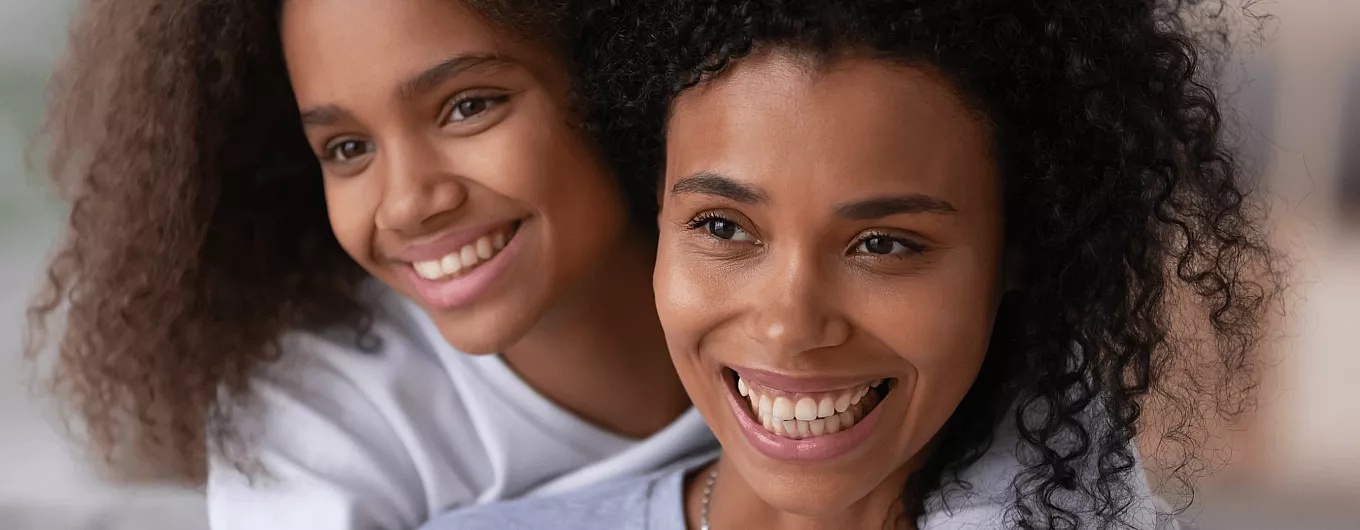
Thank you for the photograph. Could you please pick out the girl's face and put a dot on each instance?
(829, 269)
(453, 171)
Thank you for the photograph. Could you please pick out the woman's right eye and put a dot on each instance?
(347, 150)
(721, 228)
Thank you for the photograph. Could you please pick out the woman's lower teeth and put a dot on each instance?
(808, 415)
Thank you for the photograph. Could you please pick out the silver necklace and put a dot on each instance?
(708, 494)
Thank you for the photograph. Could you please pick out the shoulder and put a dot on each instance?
(986, 493)
(654, 501)
(615, 504)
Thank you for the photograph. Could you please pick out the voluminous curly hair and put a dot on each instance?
(1147, 273)
(197, 230)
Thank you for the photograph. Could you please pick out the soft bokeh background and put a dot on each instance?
(1296, 94)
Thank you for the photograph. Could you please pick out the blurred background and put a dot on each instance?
(1294, 96)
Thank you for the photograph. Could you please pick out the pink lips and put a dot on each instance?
(817, 448)
(463, 290)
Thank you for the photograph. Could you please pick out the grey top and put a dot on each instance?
(656, 501)
(649, 502)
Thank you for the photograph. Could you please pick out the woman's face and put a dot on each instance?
(453, 171)
(829, 268)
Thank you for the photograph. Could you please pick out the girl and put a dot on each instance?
(291, 221)
(916, 260)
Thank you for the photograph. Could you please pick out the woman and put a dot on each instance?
(916, 259)
(291, 221)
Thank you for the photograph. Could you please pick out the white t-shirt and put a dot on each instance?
(389, 433)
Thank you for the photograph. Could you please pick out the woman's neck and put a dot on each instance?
(734, 504)
(601, 354)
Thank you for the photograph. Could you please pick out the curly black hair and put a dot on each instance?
(1148, 277)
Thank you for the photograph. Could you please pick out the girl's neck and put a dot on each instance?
(734, 504)
(601, 354)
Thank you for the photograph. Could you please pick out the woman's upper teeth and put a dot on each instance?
(802, 415)
(467, 257)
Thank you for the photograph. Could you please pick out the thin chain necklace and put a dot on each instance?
(708, 495)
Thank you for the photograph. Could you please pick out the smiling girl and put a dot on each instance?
(291, 221)
(917, 259)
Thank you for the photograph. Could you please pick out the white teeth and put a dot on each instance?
(451, 265)
(484, 248)
(825, 407)
(783, 409)
(429, 269)
(833, 424)
(842, 402)
(806, 416)
(468, 255)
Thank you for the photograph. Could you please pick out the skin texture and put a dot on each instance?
(802, 288)
(428, 120)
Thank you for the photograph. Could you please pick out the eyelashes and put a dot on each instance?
(881, 244)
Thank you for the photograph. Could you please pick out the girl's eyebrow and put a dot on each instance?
(418, 84)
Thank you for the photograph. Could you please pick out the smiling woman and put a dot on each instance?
(917, 259)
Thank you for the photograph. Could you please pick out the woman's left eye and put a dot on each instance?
(471, 107)
(886, 246)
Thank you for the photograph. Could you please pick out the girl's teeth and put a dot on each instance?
(469, 255)
(484, 248)
(429, 269)
(807, 416)
(452, 265)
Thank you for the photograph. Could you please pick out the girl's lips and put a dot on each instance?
(817, 448)
(460, 291)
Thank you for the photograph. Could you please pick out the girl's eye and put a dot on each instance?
(348, 150)
(471, 107)
(886, 246)
(724, 229)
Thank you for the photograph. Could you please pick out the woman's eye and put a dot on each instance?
(471, 107)
(725, 229)
(348, 150)
(885, 246)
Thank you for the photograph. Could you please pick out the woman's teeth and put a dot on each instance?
(471, 255)
(800, 416)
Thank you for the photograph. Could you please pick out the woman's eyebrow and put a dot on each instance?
(877, 207)
(447, 69)
(710, 182)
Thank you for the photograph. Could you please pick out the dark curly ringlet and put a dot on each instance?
(197, 230)
(1140, 243)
